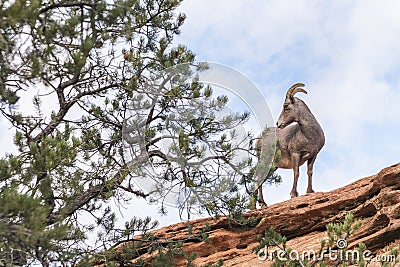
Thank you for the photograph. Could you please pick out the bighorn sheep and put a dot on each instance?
(300, 138)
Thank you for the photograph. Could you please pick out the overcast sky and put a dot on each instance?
(346, 52)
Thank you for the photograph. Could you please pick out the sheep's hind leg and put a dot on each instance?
(260, 199)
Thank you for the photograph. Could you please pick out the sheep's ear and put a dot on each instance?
(292, 99)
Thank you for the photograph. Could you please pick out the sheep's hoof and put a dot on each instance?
(294, 194)
(309, 190)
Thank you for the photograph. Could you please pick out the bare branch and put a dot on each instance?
(58, 5)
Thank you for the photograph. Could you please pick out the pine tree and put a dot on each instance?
(92, 69)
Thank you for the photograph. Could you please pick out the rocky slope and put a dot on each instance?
(375, 199)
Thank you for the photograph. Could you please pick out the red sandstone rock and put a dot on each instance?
(375, 199)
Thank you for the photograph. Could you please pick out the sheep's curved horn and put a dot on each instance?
(295, 89)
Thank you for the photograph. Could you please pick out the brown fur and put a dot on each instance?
(300, 138)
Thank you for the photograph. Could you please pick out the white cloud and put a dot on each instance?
(346, 52)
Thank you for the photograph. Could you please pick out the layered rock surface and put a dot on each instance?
(303, 220)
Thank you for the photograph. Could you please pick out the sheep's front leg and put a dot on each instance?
(295, 162)
(310, 166)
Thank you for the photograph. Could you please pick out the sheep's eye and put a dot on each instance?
(286, 108)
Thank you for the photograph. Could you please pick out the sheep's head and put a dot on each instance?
(290, 112)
